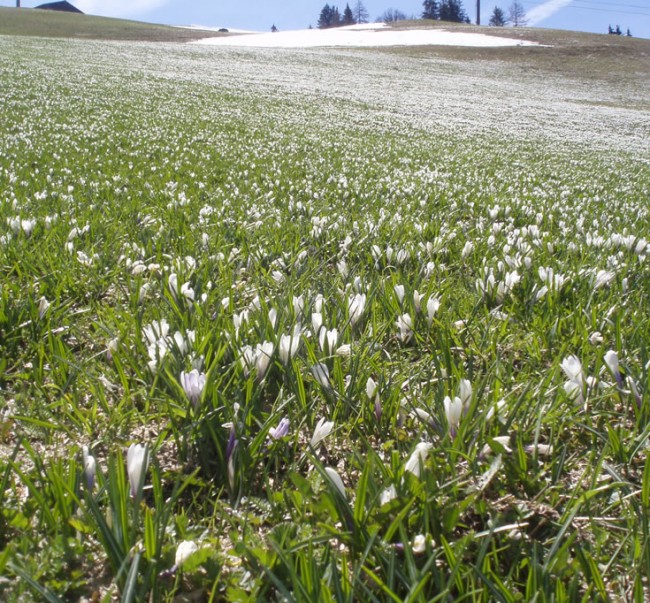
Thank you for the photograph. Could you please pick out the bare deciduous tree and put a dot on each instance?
(517, 14)
(360, 13)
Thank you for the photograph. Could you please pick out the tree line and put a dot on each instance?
(331, 17)
(439, 10)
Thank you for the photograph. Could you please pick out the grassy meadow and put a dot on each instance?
(322, 325)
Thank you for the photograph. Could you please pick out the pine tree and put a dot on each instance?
(360, 13)
(348, 16)
(325, 19)
(498, 18)
(517, 14)
(329, 17)
(430, 10)
(452, 10)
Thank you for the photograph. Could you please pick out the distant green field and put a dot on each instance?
(53, 24)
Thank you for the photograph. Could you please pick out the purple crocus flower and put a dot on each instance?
(281, 430)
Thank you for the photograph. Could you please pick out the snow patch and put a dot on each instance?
(365, 35)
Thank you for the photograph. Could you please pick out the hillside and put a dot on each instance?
(596, 56)
(53, 24)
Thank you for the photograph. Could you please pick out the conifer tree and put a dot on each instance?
(348, 16)
(431, 10)
(452, 10)
(329, 17)
(498, 18)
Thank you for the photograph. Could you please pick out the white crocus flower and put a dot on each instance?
(575, 386)
(184, 551)
(137, 460)
(316, 322)
(419, 544)
(433, 304)
(288, 346)
(496, 411)
(417, 301)
(298, 304)
(399, 292)
(273, 317)
(356, 306)
(611, 360)
(172, 282)
(387, 495)
(193, 383)
(502, 440)
(603, 278)
(321, 431)
(417, 458)
(187, 292)
(344, 350)
(27, 226)
(467, 249)
(572, 368)
(317, 306)
(156, 331)
(327, 340)
(453, 412)
(465, 393)
(595, 338)
(263, 354)
(371, 388)
(336, 480)
(405, 325)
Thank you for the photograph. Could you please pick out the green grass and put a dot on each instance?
(167, 209)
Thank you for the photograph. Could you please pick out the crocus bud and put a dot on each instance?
(399, 293)
(432, 307)
(336, 480)
(230, 456)
(289, 345)
(43, 306)
(611, 360)
(453, 412)
(356, 306)
(321, 374)
(89, 467)
(137, 460)
(371, 388)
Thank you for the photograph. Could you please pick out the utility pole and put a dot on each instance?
(17, 3)
(478, 12)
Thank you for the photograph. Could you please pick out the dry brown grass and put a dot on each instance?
(569, 53)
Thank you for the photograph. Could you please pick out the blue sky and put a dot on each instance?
(584, 15)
